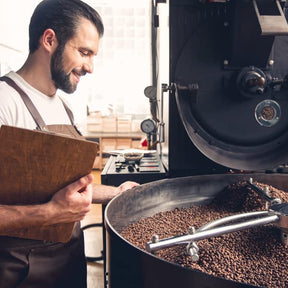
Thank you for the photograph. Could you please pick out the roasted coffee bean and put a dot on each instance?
(255, 256)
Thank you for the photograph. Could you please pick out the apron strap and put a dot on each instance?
(31, 107)
(71, 116)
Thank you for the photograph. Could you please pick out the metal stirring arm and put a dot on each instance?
(263, 193)
(278, 212)
(211, 230)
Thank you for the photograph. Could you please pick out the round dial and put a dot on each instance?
(150, 92)
(148, 126)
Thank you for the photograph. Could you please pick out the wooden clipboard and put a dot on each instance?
(35, 165)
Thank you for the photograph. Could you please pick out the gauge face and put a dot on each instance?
(148, 126)
(150, 92)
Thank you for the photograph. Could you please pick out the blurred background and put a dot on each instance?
(122, 67)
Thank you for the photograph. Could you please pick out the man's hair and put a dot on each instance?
(63, 16)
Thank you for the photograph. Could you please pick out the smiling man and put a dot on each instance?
(64, 38)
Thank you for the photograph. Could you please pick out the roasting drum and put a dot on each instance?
(224, 77)
(222, 122)
(130, 266)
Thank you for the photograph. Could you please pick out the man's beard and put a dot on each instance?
(59, 76)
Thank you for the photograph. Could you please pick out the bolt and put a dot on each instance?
(193, 254)
(192, 250)
(191, 230)
(155, 238)
(271, 62)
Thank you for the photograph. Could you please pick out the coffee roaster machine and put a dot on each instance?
(228, 86)
(227, 120)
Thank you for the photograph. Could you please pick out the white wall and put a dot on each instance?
(119, 73)
(14, 22)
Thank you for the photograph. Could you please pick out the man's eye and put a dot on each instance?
(84, 53)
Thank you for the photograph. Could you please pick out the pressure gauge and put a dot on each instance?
(148, 126)
(150, 92)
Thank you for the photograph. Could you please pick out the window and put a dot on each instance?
(122, 68)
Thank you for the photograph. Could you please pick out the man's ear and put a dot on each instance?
(49, 40)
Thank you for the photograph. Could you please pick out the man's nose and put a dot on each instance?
(88, 65)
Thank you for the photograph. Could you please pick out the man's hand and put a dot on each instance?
(72, 202)
(69, 204)
(126, 186)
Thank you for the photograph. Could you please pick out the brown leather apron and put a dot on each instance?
(26, 263)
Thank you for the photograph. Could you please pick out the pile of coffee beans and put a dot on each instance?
(254, 256)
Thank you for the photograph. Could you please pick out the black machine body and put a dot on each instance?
(228, 95)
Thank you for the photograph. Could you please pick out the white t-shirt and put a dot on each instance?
(14, 112)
